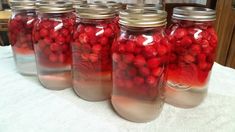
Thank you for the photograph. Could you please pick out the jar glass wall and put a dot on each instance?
(194, 48)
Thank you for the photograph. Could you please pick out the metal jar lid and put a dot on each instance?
(117, 6)
(95, 11)
(194, 13)
(79, 2)
(143, 18)
(45, 6)
(145, 6)
(23, 4)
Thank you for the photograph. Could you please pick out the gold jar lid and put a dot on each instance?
(45, 6)
(95, 11)
(143, 18)
(194, 13)
(23, 4)
(78, 2)
(145, 6)
(117, 6)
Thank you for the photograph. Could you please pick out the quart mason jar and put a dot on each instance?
(194, 42)
(140, 56)
(52, 37)
(91, 47)
(20, 35)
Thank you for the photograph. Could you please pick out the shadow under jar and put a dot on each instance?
(20, 35)
(194, 42)
(140, 56)
(52, 36)
(91, 49)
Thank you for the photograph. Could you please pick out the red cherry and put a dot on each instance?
(189, 58)
(201, 57)
(157, 71)
(139, 61)
(122, 66)
(44, 32)
(130, 46)
(55, 47)
(196, 49)
(90, 31)
(85, 57)
(150, 51)
(203, 66)
(83, 38)
(54, 34)
(151, 80)
(53, 57)
(140, 40)
(180, 33)
(138, 50)
(144, 71)
(60, 39)
(93, 57)
(121, 48)
(186, 41)
(153, 63)
(162, 50)
(65, 47)
(139, 80)
(132, 72)
(96, 48)
(128, 58)
(104, 41)
(108, 32)
(65, 32)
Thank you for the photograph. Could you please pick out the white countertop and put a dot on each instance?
(25, 106)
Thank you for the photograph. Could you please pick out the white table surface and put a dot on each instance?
(25, 106)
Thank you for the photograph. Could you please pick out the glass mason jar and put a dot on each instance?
(20, 35)
(92, 62)
(52, 36)
(194, 42)
(140, 56)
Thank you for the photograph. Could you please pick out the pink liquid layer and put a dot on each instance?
(93, 87)
(137, 110)
(56, 81)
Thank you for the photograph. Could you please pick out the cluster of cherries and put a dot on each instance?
(91, 46)
(139, 62)
(52, 38)
(194, 47)
(20, 33)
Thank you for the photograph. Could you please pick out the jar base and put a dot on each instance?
(56, 81)
(25, 64)
(185, 98)
(137, 110)
(97, 88)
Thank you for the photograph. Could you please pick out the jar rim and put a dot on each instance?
(194, 13)
(143, 18)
